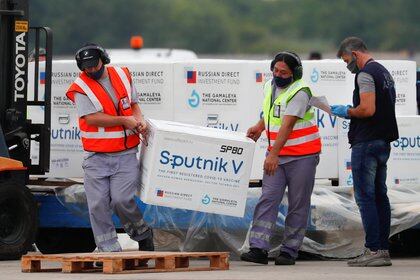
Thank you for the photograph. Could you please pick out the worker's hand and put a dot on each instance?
(270, 164)
(143, 128)
(341, 111)
(130, 122)
(254, 133)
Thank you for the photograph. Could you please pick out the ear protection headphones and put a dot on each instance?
(297, 71)
(102, 52)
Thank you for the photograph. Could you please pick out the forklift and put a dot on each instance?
(32, 214)
(18, 208)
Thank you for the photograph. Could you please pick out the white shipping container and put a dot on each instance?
(404, 160)
(224, 94)
(196, 168)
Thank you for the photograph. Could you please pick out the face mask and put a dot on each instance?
(282, 82)
(352, 66)
(98, 74)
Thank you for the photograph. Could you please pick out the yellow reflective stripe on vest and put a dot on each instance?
(301, 140)
(106, 134)
(90, 94)
(125, 81)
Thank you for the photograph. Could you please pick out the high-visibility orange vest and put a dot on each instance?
(304, 138)
(106, 139)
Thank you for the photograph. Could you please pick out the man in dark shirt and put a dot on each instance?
(373, 127)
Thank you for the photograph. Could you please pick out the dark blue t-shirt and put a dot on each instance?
(383, 123)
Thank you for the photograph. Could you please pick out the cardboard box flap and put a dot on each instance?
(178, 127)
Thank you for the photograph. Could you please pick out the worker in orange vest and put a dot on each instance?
(110, 122)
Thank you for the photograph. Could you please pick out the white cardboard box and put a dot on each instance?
(196, 168)
(404, 160)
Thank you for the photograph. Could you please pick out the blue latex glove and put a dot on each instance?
(341, 111)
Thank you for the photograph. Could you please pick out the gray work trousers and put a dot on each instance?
(110, 183)
(299, 177)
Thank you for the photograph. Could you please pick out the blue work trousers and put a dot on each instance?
(369, 167)
(299, 177)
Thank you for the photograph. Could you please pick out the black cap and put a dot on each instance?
(88, 58)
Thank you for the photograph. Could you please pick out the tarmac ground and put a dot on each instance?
(407, 268)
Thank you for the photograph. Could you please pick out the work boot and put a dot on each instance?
(284, 259)
(370, 258)
(255, 255)
(147, 244)
(387, 257)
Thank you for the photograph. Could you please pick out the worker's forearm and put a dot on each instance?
(104, 120)
(360, 112)
(137, 112)
(366, 108)
(281, 139)
(260, 125)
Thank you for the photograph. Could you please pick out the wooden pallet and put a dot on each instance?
(125, 262)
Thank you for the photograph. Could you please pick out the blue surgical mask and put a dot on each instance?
(352, 66)
(282, 82)
(98, 74)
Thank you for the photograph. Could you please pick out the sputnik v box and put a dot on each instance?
(196, 168)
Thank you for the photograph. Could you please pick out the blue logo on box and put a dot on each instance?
(194, 100)
(314, 75)
(350, 180)
(206, 200)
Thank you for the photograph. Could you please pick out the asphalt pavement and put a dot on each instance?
(408, 268)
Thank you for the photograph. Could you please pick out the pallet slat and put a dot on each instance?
(126, 262)
(113, 266)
